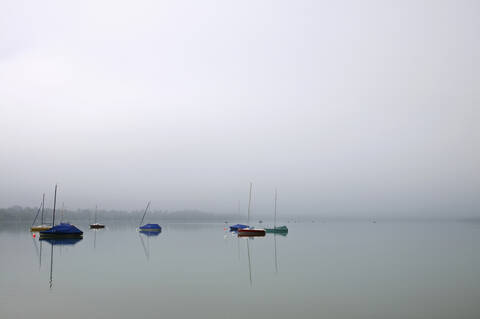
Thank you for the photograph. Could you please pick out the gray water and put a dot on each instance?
(320, 270)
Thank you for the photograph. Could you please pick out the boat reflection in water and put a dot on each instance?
(146, 247)
(249, 262)
(38, 251)
(58, 242)
(150, 233)
(61, 241)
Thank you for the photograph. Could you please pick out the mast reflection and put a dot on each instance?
(147, 234)
(57, 242)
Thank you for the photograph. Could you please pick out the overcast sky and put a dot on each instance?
(363, 108)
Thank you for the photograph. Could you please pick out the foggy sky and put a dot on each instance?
(362, 108)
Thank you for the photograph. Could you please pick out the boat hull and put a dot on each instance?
(60, 235)
(150, 228)
(39, 228)
(237, 227)
(251, 232)
(277, 230)
(97, 226)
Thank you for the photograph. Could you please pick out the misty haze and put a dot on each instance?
(200, 158)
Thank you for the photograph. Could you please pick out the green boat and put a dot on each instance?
(276, 229)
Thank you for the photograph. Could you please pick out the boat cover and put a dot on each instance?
(238, 226)
(62, 229)
(151, 227)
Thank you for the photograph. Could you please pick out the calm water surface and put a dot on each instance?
(320, 270)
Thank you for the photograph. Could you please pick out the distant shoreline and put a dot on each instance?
(18, 213)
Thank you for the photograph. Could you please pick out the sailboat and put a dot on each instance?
(280, 229)
(42, 226)
(63, 230)
(236, 227)
(96, 225)
(250, 231)
(148, 227)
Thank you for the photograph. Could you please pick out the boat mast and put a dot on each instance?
(43, 205)
(63, 211)
(54, 204)
(148, 205)
(95, 214)
(275, 214)
(249, 201)
(36, 216)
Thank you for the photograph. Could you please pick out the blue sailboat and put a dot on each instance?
(148, 227)
(62, 230)
(237, 227)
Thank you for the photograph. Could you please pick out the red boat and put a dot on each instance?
(251, 232)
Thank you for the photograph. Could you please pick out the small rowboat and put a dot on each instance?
(251, 232)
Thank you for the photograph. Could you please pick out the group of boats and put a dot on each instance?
(251, 231)
(66, 230)
(69, 231)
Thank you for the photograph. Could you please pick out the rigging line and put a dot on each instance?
(146, 209)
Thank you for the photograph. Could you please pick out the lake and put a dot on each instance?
(332, 269)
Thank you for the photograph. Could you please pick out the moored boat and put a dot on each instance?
(63, 230)
(150, 228)
(42, 226)
(238, 226)
(276, 229)
(96, 225)
(251, 232)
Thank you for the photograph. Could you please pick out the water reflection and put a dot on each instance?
(275, 248)
(146, 248)
(38, 252)
(57, 242)
(275, 252)
(61, 242)
(95, 236)
(249, 261)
